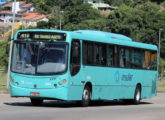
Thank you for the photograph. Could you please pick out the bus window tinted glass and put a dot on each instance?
(52, 59)
(116, 56)
(24, 58)
(99, 54)
(127, 58)
(75, 57)
(150, 60)
(122, 57)
(88, 53)
(154, 61)
(137, 58)
(110, 55)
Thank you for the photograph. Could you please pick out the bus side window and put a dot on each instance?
(154, 61)
(88, 53)
(127, 58)
(150, 60)
(110, 55)
(137, 58)
(75, 57)
(99, 57)
(116, 56)
(122, 57)
(147, 59)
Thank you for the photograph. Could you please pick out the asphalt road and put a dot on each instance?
(21, 109)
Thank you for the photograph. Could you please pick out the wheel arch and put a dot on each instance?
(139, 85)
(89, 84)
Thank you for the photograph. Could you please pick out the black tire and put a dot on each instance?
(137, 96)
(128, 101)
(36, 102)
(86, 97)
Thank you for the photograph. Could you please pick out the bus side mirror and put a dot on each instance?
(7, 48)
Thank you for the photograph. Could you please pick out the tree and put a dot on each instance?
(98, 24)
(140, 23)
(42, 25)
(80, 13)
(3, 55)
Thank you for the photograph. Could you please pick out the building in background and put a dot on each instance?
(6, 16)
(31, 18)
(3, 2)
(100, 5)
(20, 8)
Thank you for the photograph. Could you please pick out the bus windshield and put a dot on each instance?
(39, 58)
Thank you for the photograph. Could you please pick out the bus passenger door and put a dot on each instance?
(75, 90)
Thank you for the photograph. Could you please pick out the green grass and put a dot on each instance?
(3, 82)
(161, 85)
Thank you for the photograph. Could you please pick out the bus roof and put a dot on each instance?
(97, 36)
(111, 38)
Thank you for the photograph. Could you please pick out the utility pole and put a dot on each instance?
(159, 51)
(159, 40)
(61, 18)
(11, 45)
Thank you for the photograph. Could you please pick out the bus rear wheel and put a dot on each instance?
(86, 97)
(36, 101)
(137, 96)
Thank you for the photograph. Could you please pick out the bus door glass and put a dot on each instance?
(75, 57)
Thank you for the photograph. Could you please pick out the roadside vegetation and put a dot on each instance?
(3, 82)
(161, 85)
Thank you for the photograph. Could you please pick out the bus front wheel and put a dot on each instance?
(86, 97)
(36, 102)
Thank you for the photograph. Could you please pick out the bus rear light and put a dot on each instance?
(64, 81)
(10, 78)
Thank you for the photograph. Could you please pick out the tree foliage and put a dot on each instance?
(3, 55)
(141, 23)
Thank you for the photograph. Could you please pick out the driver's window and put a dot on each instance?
(75, 57)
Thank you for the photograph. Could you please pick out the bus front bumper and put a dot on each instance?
(56, 93)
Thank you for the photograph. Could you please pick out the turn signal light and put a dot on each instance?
(64, 81)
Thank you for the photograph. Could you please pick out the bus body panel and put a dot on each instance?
(59, 93)
(119, 83)
(22, 85)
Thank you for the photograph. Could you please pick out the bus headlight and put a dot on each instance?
(13, 81)
(60, 83)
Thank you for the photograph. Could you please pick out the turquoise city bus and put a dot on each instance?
(81, 65)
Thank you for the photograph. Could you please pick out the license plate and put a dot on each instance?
(34, 94)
